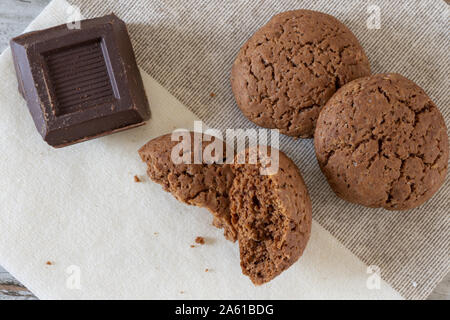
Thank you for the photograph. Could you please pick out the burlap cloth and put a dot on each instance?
(189, 47)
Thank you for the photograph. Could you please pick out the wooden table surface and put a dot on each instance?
(15, 15)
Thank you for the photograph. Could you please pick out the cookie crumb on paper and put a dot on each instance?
(200, 240)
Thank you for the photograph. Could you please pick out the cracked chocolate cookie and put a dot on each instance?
(204, 184)
(286, 72)
(272, 215)
(269, 214)
(382, 142)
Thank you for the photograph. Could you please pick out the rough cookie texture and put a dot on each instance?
(272, 215)
(289, 68)
(381, 142)
(204, 185)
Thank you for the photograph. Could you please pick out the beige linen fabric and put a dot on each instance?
(188, 46)
(108, 237)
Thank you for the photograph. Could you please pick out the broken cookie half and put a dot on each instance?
(271, 211)
(260, 199)
(191, 178)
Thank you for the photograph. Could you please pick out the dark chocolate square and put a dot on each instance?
(80, 83)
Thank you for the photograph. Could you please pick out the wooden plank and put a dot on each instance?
(15, 15)
(11, 289)
(442, 291)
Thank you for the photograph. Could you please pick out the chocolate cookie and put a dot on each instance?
(288, 69)
(381, 142)
(204, 185)
(272, 215)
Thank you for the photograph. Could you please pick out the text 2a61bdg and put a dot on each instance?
(251, 309)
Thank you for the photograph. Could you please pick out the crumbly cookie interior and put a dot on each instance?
(261, 222)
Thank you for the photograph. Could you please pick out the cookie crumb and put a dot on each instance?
(155, 233)
(206, 270)
(49, 263)
(192, 246)
(212, 94)
(136, 179)
(182, 292)
(200, 240)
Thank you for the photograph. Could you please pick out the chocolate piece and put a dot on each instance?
(81, 83)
